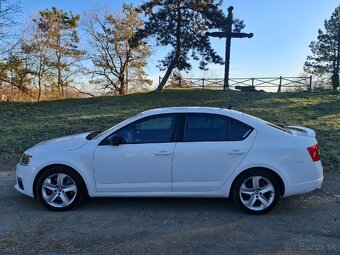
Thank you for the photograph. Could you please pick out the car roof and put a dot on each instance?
(249, 119)
(192, 109)
(184, 109)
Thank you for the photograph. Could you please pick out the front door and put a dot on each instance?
(142, 163)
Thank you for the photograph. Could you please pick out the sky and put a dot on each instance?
(282, 29)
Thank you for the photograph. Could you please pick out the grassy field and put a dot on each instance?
(25, 124)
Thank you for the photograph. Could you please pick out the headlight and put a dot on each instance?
(25, 159)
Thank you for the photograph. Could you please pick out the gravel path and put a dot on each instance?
(307, 224)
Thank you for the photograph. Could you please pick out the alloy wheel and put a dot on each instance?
(59, 190)
(257, 193)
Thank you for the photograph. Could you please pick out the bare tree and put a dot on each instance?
(8, 10)
(38, 55)
(116, 64)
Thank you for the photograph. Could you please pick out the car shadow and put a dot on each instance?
(161, 204)
(155, 205)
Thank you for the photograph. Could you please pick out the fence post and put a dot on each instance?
(180, 81)
(252, 82)
(203, 83)
(310, 83)
(280, 84)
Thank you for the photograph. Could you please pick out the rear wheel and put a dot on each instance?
(60, 188)
(256, 192)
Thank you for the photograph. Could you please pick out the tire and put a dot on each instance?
(256, 192)
(60, 188)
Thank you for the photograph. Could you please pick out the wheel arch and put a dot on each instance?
(272, 172)
(45, 168)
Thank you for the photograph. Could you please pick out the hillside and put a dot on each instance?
(25, 124)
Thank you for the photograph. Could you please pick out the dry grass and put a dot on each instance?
(25, 124)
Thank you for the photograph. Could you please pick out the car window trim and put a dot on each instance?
(209, 114)
(247, 134)
(184, 119)
(172, 136)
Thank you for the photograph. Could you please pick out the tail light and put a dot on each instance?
(314, 152)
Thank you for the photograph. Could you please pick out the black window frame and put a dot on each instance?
(174, 131)
(247, 134)
(179, 128)
(183, 125)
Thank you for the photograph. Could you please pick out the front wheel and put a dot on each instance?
(256, 192)
(60, 189)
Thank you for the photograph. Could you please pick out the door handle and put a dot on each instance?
(162, 153)
(235, 152)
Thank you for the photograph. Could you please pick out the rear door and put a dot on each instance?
(210, 149)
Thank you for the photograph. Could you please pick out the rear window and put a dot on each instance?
(238, 130)
(201, 127)
(205, 127)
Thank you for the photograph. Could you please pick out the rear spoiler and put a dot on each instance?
(302, 131)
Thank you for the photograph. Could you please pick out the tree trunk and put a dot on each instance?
(60, 85)
(39, 81)
(59, 75)
(122, 85)
(126, 78)
(335, 78)
(174, 61)
(172, 65)
(39, 87)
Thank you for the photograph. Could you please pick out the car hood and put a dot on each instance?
(66, 143)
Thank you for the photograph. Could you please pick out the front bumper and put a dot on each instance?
(25, 179)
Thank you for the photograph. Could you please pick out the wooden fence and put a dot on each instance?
(278, 84)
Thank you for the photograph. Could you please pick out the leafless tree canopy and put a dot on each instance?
(115, 64)
(8, 10)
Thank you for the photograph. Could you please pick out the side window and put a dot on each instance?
(205, 127)
(155, 129)
(238, 130)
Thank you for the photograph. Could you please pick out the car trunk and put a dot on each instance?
(301, 131)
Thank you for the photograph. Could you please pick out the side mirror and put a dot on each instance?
(114, 140)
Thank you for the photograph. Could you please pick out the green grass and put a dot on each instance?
(25, 124)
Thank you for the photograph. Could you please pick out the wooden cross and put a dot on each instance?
(228, 34)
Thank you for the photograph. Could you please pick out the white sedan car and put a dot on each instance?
(176, 152)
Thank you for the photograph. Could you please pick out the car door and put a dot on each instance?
(142, 162)
(211, 148)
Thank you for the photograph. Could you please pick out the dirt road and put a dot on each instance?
(298, 225)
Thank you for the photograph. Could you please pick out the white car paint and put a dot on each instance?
(134, 168)
(205, 166)
(178, 169)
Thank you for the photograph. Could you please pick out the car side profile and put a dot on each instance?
(176, 152)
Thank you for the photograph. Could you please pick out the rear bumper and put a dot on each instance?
(305, 187)
(304, 178)
(24, 179)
